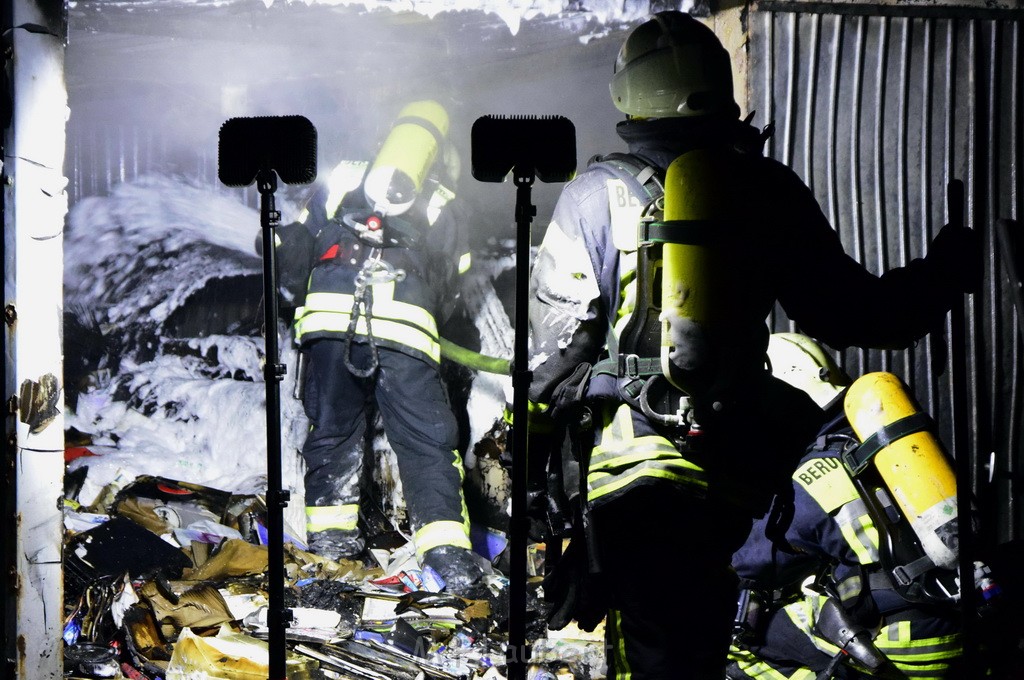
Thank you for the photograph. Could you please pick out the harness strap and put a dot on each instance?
(873, 578)
(644, 181)
(856, 459)
(689, 232)
(905, 574)
(628, 366)
(642, 178)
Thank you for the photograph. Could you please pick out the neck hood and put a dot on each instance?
(662, 140)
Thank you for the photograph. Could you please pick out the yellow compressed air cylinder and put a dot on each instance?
(698, 200)
(405, 158)
(915, 468)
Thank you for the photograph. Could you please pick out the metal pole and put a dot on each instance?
(516, 655)
(961, 453)
(277, 498)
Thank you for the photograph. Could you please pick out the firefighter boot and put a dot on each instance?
(460, 569)
(336, 544)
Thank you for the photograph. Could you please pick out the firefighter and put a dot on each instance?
(683, 436)
(381, 248)
(828, 557)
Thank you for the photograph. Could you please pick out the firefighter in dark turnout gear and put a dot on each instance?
(386, 250)
(829, 554)
(691, 436)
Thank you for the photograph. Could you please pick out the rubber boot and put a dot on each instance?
(336, 544)
(460, 568)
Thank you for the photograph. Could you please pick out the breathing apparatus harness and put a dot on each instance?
(905, 567)
(636, 371)
(374, 231)
(374, 271)
(392, 184)
(637, 355)
(849, 612)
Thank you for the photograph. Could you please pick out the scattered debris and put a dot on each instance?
(167, 580)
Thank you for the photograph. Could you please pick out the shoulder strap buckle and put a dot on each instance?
(633, 366)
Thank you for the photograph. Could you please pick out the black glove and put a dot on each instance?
(956, 255)
(573, 592)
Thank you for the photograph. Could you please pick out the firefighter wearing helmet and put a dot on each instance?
(374, 262)
(850, 551)
(648, 305)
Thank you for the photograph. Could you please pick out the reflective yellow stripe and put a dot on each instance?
(603, 484)
(619, 428)
(382, 329)
(758, 669)
(535, 407)
(634, 458)
(896, 642)
(465, 262)
(444, 532)
(627, 288)
(622, 459)
(392, 320)
(621, 452)
(319, 518)
(938, 672)
(850, 588)
(827, 482)
(898, 632)
(803, 613)
(859, 531)
(537, 420)
(384, 307)
(618, 645)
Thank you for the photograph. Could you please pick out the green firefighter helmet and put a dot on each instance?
(673, 65)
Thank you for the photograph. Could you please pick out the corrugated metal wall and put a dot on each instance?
(877, 108)
(103, 154)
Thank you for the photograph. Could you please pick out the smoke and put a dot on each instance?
(150, 83)
(160, 254)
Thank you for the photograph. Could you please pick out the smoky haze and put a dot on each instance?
(162, 283)
(149, 86)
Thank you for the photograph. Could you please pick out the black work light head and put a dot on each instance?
(528, 145)
(283, 144)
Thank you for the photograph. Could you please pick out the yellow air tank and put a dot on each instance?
(699, 203)
(405, 158)
(914, 467)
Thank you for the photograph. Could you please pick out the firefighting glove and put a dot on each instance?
(573, 591)
(955, 252)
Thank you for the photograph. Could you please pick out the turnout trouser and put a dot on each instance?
(665, 557)
(923, 644)
(419, 425)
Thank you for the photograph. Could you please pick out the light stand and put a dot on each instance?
(278, 617)
(258, 149)
(529, 147)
